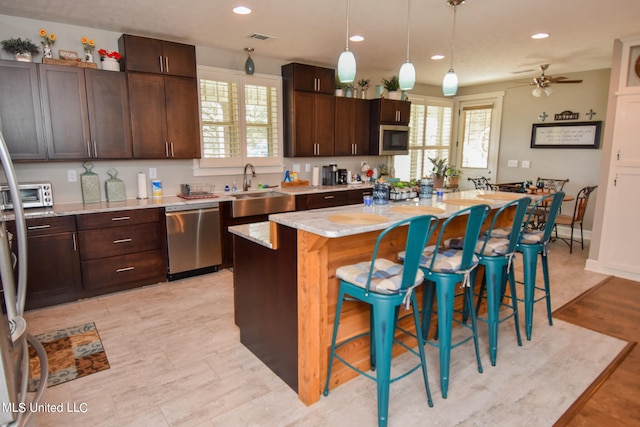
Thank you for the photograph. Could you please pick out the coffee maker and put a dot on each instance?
(330, 174)
(342, 176)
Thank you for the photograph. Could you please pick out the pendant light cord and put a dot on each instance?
(453, 35)
(408, 27)
(347, 38)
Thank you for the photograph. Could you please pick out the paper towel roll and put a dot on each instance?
(142, 186)
(315, 177)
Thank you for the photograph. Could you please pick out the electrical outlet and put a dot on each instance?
(307, 167)
(72, 176)
(153, 173)
(296, 167)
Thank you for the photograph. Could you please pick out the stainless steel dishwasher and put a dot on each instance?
(193, 239)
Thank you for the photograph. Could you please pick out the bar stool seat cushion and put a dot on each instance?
(495, 246)
(531, 237)
(386, 276)
(449, 257)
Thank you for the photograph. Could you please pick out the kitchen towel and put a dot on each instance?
(142, 186)
(315, 177)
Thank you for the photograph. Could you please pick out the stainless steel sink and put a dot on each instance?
(261, 203)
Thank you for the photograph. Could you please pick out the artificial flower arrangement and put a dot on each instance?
(108, 54)
(47, 39)
(88, 44)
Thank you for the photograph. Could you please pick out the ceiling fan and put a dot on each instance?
(543, 82)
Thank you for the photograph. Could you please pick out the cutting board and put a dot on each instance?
(417, 210)
(358, 219)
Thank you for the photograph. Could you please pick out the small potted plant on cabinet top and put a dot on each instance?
(22, 49)
(393, 87)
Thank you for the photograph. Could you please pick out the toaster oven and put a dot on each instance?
(33, 195)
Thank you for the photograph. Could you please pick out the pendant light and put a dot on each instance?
(249, 66)
(450, 81)
(407, 75)
(347, 60)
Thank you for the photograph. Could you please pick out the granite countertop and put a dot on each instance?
(318, 221)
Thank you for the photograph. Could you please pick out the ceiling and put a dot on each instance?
(492, 41)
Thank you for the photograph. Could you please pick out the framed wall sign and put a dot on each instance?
(566, 135)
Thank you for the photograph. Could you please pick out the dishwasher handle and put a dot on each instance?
(196, 211)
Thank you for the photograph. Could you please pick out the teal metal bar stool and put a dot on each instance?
(533, 243)
(446, 264)
(495, 250)
(385, 286)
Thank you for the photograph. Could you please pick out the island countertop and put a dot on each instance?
(358, 218)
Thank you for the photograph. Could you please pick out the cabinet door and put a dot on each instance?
(394, 112)
(309, 78)
(141, 53)
(148, 115)
(344, 126)
(326, 80)
(361, 128)
(183, 125)
(64, 106)
(179, 59)
(109, 121)
(324, 114)
(20, 112)
(303, 124)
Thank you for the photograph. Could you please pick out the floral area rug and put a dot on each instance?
(72, 352)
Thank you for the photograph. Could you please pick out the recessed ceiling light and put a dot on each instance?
(242, 10)
(437, 57)
(356, 38)
(540, 36)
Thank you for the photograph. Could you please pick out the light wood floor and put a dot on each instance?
(612, 308)
(176, 360)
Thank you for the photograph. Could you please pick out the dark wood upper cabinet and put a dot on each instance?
(157, 56)
(309, 78)
(86, 113)
(20, 111)
(352, 127)
(64, 106)
(109, 119)
(390, 112)
(164, 116)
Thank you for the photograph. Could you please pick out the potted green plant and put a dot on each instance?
(392, 86)
(439, 171)
(339, 87)
(364, 85)
(453, 175)
(22, 49)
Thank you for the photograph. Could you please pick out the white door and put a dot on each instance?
(478, 137)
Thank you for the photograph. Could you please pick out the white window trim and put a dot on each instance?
(217, 167)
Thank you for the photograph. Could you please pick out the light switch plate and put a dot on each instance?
(526, 164)
(512, 163)
(153, 173)
(307, 167)
(296, 167)
(72, 176)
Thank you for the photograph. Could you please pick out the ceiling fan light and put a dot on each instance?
(450, 83)
(347, 67)
(548, 90)
(407, 76)
(536, 92)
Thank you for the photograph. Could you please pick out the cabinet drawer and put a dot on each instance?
(119, 218)
(326, 200)
(355, 196)
(106, 272)
(52, 225)
(119, 241)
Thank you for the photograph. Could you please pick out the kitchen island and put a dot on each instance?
(285, 286)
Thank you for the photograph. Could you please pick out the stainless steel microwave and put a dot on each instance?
(33, 195)
(394, 139)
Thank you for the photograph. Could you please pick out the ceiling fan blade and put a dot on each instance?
(567, 81)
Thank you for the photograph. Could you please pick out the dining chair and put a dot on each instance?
(579, 209)
(445, 264)
(551, 185)
(481, 183)
(495, 250)
(385, 286)
(533, 243)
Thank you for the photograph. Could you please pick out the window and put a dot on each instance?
(241, 121)
(476, 133)
(429, 136)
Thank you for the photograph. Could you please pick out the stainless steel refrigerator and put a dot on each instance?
(16, 406)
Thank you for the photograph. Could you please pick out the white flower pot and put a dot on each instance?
(394, 94)
(110, 64)
(23, 57)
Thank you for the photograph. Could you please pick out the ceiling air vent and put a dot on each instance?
(259, 36)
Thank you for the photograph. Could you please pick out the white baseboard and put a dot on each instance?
(598, 267)
(565, 232)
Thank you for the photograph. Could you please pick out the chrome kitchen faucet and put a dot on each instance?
(245, 184)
